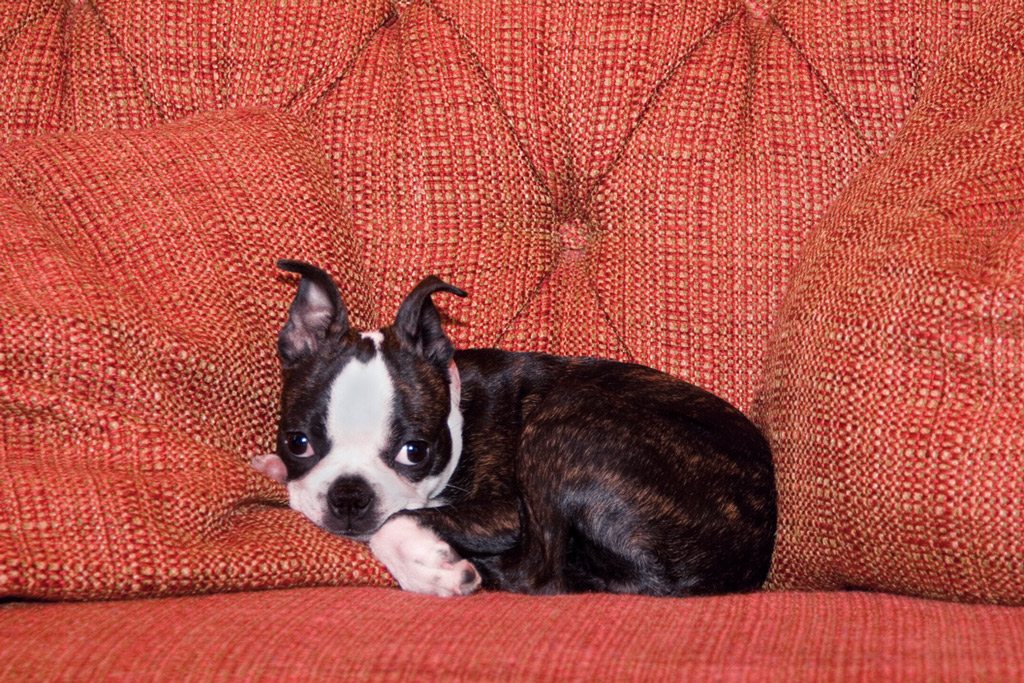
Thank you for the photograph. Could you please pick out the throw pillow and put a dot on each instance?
(138, 375)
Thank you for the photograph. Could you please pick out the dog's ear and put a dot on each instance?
(418, 324)
(316, 314)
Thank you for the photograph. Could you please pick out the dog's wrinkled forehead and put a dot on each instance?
(362, 394)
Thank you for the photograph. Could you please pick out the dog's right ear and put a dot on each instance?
(316, 314)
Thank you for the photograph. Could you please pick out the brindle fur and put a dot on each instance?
(576, 474)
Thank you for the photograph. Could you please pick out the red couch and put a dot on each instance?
(815, 210)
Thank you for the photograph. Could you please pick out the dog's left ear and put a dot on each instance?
(418, 324)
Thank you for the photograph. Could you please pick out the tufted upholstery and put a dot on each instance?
(634, 181)
(810, 208)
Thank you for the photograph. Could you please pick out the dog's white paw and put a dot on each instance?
(420, 561)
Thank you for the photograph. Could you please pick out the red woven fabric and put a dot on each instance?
(894, 397)
(388, 635)
(138, 373)
(625, 179)
(628, 179)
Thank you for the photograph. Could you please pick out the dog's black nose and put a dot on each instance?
(350, 498)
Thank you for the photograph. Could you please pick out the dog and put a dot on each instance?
(520, 472)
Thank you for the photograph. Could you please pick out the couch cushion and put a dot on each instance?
(389, 635)
(894, 400)
(138, 321)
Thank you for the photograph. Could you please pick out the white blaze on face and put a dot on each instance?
(360, 413)
(358, 423)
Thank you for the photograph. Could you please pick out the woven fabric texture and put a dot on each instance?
(387, 635)
(137, 361)
(625, 179)
(894, 395)
(635, 180)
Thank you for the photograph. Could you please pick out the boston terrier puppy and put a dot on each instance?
(520, 472)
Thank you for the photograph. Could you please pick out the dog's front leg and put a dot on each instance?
(420, 561)
(485, 531)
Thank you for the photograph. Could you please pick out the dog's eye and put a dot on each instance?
(413, 453)
(298, 444)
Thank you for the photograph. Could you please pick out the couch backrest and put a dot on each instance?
(634, 180)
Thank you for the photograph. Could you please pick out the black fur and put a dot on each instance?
(583, 475)
(575, 474)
